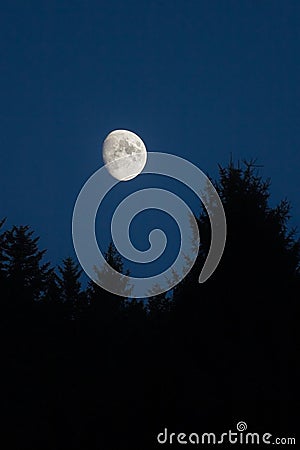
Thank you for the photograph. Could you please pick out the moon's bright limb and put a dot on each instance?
(117, 145)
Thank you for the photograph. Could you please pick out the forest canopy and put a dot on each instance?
(84, 362)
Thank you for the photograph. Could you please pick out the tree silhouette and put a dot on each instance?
(105, 305)
(114, 274)
(53, 288)
(5, 305)
(70, 286)
(122, 368)
(23, 267)
(245, 308)
(2, 257)
(158, 305)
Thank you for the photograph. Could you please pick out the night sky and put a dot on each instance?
(199, 79)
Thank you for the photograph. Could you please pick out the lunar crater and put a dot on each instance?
(124, 154)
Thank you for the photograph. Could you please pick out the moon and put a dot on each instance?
(120, 144)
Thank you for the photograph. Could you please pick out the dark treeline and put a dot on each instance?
(84, 369)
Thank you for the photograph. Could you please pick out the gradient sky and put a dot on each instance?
(200, 79)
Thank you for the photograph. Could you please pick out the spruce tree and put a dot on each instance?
(23, 266)
(241, 321)
(106, 305)
(70, 286)
(2, 256)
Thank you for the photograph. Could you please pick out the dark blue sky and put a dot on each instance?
(199, 79)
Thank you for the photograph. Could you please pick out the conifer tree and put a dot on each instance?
(26, 273)
(70, 286)
(103, 303)
(2, 256)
